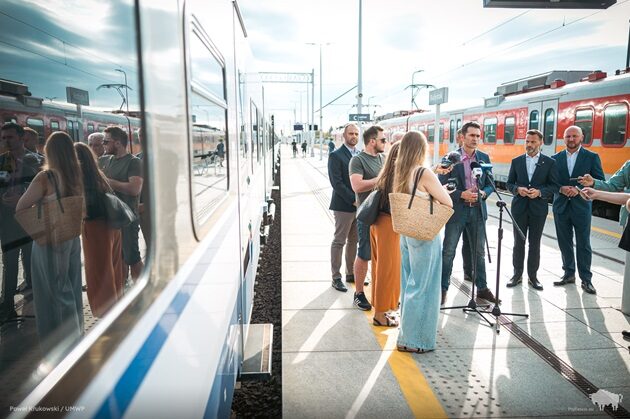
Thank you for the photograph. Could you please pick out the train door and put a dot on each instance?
(454, 123)
(543, 116)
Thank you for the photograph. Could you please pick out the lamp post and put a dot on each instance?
(413, 97)
(120, 70)
(321, 111)
(360, 71)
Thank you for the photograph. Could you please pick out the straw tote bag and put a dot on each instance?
(418, 217)
(53, 222)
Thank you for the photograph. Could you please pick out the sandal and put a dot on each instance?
(402, 348)
(389, 322)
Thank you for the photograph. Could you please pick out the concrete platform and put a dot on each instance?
(337, 364)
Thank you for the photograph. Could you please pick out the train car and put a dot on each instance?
(550, 102)
(173, 345)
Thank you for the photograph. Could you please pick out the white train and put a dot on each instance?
(173, 345)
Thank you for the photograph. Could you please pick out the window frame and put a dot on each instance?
(485, 124)
(592, 120)
(625, 139)
(511, 116)
(529, 120)
(553, 131)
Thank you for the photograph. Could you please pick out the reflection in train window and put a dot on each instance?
(533, 120)
(209, 145)
(508, 130)
(584, 120)
(452, 131)
(615, 123)
(549, 126)
(57, 74)
(490, 130)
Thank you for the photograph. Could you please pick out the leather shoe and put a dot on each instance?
(535, 284)
(514, 281)
(588, 287)
(467, 278)
(625, 334)
(566, 279)
(338, 285)
(487, 295)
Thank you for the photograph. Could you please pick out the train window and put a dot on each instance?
(442, 132)
(208, 109)
(451, 131)
(54, 125)
(254, 118)
(533, 120)
(490, 130)
(431, 133)
(70, 129)
(90, 128)
(549, 127)
(615, 123)
(509, 129)
(459, 123)
(584, 120)
(101, 128)
(37, 124)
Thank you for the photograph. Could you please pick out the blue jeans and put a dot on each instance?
(471, 220)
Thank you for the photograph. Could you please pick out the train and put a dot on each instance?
(550, 102)
(175, 344)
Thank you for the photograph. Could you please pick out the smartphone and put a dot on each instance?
(574, 179)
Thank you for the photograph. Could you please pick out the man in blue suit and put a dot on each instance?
(470, 211)
(533, 179)
(573, 213)
(344, 207)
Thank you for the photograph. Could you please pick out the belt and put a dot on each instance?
(471, 204)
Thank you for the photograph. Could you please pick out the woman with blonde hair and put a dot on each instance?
(56, 269)
(421, 260)
(102, 246)
(385, 244)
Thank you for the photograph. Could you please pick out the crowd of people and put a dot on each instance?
(54, 272)
(410, 277)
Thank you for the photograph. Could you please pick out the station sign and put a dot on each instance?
(77, 96)
(362, 117)
(438, 96)
(298, 127)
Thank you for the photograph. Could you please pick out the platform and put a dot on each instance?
(336, 364)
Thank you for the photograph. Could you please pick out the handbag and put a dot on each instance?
(53, 222)
(416, 216)
(368, 211)
(117, 213)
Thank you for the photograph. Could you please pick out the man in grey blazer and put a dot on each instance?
(344, 208)
(571, 212)
(533, 179)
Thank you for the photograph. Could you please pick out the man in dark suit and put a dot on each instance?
(344, 208)
(573, 213)
(470, 211)
(533, 180)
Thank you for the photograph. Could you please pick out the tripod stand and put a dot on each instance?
(472, 305)
(496, 310)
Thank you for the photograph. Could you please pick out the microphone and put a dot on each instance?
(476, 170)
(450, 159)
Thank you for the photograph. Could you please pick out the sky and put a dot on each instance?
(456, 43)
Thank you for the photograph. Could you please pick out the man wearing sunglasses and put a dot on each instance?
(364, 169)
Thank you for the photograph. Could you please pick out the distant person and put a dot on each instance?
(385, 245)
(95, 141)
(56, 269)
(18, 167)
(331, 146)
(294, 148)
(304, 145)
(102, 245)
(343, 206)
(124, 174)
(364, 170)
(532, 179)
(31, 142)
(221, 152)
(572, 213)
(421, 259)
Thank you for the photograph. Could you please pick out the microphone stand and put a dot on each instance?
(472, 305)
(496, 310)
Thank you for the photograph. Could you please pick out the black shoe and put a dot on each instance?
(84, 288)
(467, 278)
(361, 302)
(625, 334)
(566, 279)
(349, 278)
(487, 295)
(338, 285)
(588, 287)
(514, 281)
(23, 288)
(535, 284)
